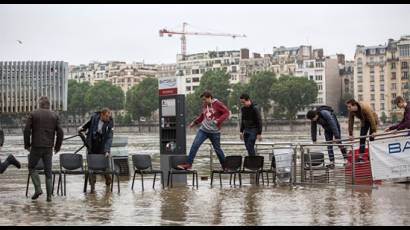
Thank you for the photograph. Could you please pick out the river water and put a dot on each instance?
(386, 204)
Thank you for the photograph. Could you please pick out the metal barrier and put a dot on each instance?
(310, 159)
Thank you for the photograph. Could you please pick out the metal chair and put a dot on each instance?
(143, 165)
(314, 161)
(40, 170)
(71, 164)
(232, 166)
(176, 160)
(102, 165)
(253, 165)
(272, 170)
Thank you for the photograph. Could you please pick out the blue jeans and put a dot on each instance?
(201, 136)
(249, 137)
(363, 132)
(329, 136)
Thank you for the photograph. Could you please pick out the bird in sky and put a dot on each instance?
(20, 42)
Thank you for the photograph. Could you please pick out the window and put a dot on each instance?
(382, 51)
(373, 107)
(318, 77)
(360, 88)
(360, 97)
(188, 88)
(382, 87)
(382, 106)
(393, 86)
(404, 65)
(404, 75)
(393, 65)
(381, 77)
(195, 71)
(372, 78)
(393, 75)
(404, 50)
(188, 80)
(195, 79)
(311, 77)
(382, 97)
(372, 69)
(372, 51)
(372, 97)
(359, 70)
(372, 88)
(319, 86)
(393, 95)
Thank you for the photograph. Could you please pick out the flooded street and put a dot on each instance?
(386, 204)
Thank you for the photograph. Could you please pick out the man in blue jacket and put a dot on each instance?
(325, 116)
(99, 138)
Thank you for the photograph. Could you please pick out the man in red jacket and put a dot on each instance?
(211, 118)
(405, 122)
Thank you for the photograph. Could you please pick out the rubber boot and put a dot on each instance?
(108, 179)
(49, 188)
(37, 185)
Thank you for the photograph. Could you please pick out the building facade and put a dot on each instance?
(381, 73)
(22, 83)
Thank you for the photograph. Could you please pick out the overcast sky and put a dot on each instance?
(79, 34)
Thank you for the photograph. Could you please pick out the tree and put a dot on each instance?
(142, 99)
(76, 105)
(233, 102)
(383, 118)
(342, 105)
(394, 118)
(104, 94)
(259, 89)
(217, 82)
(294, 94)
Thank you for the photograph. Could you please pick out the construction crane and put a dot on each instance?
(183, 34)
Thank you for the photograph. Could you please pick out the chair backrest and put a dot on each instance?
(233, 163)
(40, 164)
(70, 161)
(253, 162)
(141, 161)
(176, 160)
(314, 159)
(97, 162)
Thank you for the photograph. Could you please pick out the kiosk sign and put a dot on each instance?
(168, 86)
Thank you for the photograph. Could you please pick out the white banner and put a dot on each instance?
(390, 158)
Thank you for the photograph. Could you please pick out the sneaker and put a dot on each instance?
(12, 160)
(331, 165)
(184, 166)
(360, 160)
(108, 180)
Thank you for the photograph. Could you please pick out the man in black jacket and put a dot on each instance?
(325, 116)
(251, 124)
(39, 134)
(11, 160)
(99, 138)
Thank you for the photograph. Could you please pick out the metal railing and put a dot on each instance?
(345, 171)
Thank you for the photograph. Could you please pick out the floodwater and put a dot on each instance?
(386, 204)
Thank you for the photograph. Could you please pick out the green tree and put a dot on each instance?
(342, 105)
(76, 105)
(142, 99)
(259, 88)
(294, 94)
(383, 118)
(233, 101)
(217, 82)
(104, 94)
(394, 118)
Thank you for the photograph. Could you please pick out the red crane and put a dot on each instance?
(183, 34)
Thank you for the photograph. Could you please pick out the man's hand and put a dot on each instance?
(373, 134)
(80, 129)
(387, 130)
(241, 136)
(107, 154)
(28, 149)
(351, 138)
(259, 137)
(191, 125)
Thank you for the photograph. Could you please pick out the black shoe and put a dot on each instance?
(36, 195)
(331, 165)
(360, 160)
(48, 198)
(13, 161)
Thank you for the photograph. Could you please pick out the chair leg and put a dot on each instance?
(230, 179)
(153, 183)
(85, 183)
(133, 180)
(168, 178)
(142, 180)
(65, 184)
(263, 180)
(220, 179)
(162, 179)
(172, 176)
(240, 179)
(118, 182)
(52, 188)
(28, 182)
(212, 178)
(112, 181)
(196, 175)
(58, 184)
(234, 179)
(193, 179)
